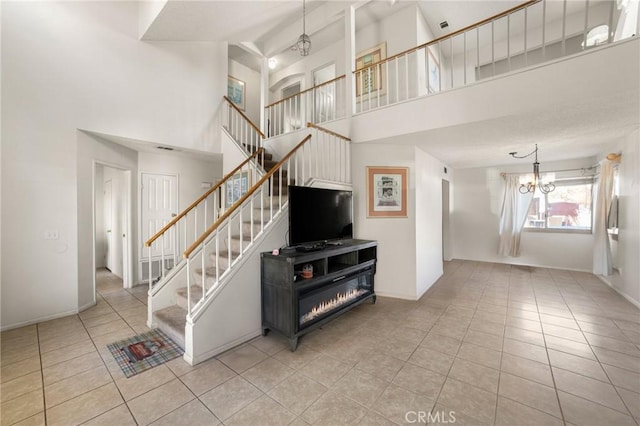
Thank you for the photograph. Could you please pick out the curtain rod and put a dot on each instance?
(582, 169)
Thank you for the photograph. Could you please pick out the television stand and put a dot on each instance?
(342, 279)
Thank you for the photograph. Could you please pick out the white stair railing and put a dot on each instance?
(240, 127)
(532, 33)
(229, 238)
(179, 233)
(319, 104)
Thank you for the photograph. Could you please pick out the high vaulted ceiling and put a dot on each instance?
(271, 27)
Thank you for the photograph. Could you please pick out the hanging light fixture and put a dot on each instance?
(304, 41)
(529, 183)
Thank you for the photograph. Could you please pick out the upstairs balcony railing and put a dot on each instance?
(319, 104)
(240, 127)
(535, 32)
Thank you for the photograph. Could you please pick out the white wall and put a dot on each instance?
(119, 217)
(251, 79)
(396, 270)
(478, 195)
(303, 69)
(100, 230)
(628, 245)
(79, 65)
(397, 30)
(429, 174)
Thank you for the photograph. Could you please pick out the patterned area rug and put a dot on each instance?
(144, 351)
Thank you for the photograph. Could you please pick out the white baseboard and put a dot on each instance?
(37, 320)
(395, 295)
(87, 306)
(220, 349)
(608, 282)
(511, 262)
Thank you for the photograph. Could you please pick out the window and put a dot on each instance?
(567, 208)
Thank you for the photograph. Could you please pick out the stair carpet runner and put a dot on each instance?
(172, 320)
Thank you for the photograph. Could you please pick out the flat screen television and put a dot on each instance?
(318, 215)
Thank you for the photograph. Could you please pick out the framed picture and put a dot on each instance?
(236, 91)
(236, 187)
(434, 73)
(369, 80)
(387, 189)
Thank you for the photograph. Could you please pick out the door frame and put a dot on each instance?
(127, 260)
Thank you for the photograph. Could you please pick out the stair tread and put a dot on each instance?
(172, 320)
(210, 271)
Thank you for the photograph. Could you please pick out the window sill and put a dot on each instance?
(558, 231)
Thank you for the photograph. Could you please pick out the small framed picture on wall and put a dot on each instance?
(387, 189)
(236, 91)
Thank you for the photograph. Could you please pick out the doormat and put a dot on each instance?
(144, 351)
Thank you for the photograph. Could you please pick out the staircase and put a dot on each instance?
(210, 300)
(173, 319)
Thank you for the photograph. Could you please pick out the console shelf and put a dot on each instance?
(342, 278)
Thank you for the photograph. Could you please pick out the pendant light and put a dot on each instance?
(304, 41)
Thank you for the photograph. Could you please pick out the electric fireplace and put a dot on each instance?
(301, 291)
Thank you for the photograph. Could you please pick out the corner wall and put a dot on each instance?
(80, 65)
(409, 249)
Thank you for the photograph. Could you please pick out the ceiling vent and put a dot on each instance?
(444, 24)
(165, 148)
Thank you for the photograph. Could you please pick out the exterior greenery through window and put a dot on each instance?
(568, 208)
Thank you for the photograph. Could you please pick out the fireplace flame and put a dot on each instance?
(328, 305)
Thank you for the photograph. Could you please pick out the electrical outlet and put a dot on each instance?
(51, 234)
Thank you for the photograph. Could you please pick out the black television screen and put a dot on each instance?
(318, 214)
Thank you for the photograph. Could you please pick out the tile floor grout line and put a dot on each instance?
(44, 396)
(113, 380)
(605, 373)
(546, 350)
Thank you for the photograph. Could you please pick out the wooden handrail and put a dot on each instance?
(245, 117)
(453, 34)
(202, 197)
(238, 203)
(306, 90)
(338, 135)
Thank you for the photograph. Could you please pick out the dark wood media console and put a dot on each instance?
(342, 278)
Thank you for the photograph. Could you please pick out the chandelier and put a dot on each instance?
(529, 183)
(304, 41)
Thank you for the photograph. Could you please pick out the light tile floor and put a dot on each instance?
(489, 344)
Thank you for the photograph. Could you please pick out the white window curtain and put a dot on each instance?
(515, 208)
(602, 263)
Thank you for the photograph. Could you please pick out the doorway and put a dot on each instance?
(324, 96)
(112, 222)
(446, 228)
(292, 109)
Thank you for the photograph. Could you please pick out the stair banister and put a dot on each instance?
(242, 199)
(182, 215)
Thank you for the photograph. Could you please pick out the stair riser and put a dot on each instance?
(182, 300)
(210, 281)
(246, 228)
(235, 243)
(223, 262)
